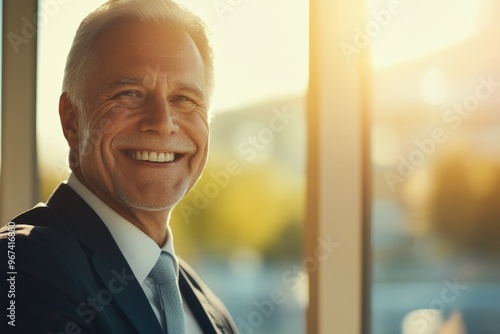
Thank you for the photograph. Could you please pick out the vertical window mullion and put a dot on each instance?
(337, 175)
(18, 186)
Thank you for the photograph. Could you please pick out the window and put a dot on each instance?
(403, 166)
(435, 166)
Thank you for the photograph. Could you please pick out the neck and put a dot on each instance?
(153, 224)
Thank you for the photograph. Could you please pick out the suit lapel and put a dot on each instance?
(117, 275)
(108, 261)
(205, 314)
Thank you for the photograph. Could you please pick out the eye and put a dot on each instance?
(183, 103)
(131, 99)
(128, 94)
(183, 98)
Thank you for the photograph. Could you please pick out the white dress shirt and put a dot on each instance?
(140, 251)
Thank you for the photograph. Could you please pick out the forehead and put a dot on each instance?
(151, 47)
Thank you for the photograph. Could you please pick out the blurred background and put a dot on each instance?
(435, 192)
(436, 167)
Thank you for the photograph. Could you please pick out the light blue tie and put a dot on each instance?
(164, 274)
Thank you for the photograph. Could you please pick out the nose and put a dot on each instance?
(158, 117)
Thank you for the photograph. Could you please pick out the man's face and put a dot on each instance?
(143, 138)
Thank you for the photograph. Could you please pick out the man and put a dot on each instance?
(134, 111)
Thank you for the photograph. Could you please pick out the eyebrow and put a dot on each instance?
(190, 88)
(125, 81)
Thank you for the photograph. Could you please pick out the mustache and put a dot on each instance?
(166, 144)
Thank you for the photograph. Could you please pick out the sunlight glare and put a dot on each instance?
(447, 22)
(434, 86)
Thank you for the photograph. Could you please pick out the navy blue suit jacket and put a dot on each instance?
(72, 278)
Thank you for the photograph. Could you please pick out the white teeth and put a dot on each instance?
(152, 156)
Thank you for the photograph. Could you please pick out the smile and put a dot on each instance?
(152, 156)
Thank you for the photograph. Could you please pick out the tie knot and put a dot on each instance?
(164, 270)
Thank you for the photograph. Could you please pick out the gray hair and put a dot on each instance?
(81, 58)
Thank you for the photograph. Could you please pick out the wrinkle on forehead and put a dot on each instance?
(151, 52)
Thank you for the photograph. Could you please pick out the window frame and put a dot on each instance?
(338, 198)
(19, 174)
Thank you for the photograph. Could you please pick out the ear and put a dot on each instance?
(68, 114)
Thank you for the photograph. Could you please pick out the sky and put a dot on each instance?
(418, 27)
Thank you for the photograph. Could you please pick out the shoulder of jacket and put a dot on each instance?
(39, 222)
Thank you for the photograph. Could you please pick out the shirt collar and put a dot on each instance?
(140, 251)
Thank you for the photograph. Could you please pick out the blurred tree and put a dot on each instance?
(261, 208)
(464, 203)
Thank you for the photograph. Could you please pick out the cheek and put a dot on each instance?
(198, 131)
(195, 125)
(202, 137)
(99, 130)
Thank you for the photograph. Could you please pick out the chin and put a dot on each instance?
(151, 207)
(157, 204)
(150, 199)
